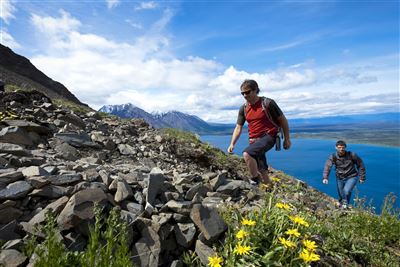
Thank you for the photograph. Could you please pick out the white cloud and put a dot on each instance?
(7, 40)
(134, 24)
(112, 3)
(7, 10)
(146, 73)
(146, 5)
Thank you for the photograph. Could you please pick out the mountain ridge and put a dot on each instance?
(17, 70)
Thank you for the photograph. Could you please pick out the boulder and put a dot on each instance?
(208, 221)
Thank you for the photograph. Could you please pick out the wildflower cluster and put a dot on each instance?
(274, 235)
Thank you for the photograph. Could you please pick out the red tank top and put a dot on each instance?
(258, 122)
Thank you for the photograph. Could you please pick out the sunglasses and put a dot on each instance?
(246, 92)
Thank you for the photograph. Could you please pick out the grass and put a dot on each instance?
(71, 105)
(214, 155)
(283, 234)
(107, 246)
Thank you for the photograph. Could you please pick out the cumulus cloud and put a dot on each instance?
(7, 10)
(146, 5)
(7, 40)
(146, 73)
(112, 3)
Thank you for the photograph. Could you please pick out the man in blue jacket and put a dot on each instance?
(349, 167)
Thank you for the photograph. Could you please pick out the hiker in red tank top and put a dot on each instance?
(263, 124)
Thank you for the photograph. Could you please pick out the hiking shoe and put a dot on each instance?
(254, 181)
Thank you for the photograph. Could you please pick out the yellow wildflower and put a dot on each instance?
(215, 261)
(308, 256)
(293, 232)
(310, 245)
(242, 250)
(283, 206)
(241, 234)
(298, 220)
(248, 222)
(287, 243)
(275, 179)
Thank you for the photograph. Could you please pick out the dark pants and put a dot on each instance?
(258, 149)
(345, 187)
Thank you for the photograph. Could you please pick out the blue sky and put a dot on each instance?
(315, 58)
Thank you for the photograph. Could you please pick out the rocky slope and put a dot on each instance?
(168, 190)
(18, 70)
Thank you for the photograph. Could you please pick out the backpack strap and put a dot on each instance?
(352, 155)
(265, 101)
(265, 105)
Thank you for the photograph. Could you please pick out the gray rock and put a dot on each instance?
(231, 187)
(12, 176)
(134, 208)
(16, 190)
(9, 214)
(185, 234)
(7, 232)
(125, 149)
(14, 149)
(199, 189)
(130, 178)
(146, 251)
(74, 119)
(182, 207)
(124, 191)
(91, 175)
(64, 179)
(177, 263)
(218, 181)
(67, 151)
(12, 258)
(55, 206)
(105, 177)
(15, 135)
(208, 221)
(156, 181)
(79, 208)
(77, 140)
(203, 252)
(128, 217)
(38, 181)
(28, 126)
(51, 191)
(34, 171)
(16, 244)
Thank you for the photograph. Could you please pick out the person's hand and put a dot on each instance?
(287, 143)
(230, 149)
(325, 181)
(362, 181)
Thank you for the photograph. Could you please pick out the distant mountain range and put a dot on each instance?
(171, 119)
(176, 119)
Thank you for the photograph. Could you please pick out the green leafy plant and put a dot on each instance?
(107, 246)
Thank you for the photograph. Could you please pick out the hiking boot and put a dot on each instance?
(254, 181)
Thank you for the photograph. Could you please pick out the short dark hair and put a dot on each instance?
(341, 143)
(250, 84)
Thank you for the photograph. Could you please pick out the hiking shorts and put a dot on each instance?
(258, 148)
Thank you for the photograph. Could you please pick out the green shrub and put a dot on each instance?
(71, 105)
(107, 246)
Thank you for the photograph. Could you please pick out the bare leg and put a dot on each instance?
(251, 164)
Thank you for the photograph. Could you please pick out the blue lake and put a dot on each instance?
(306, 158)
